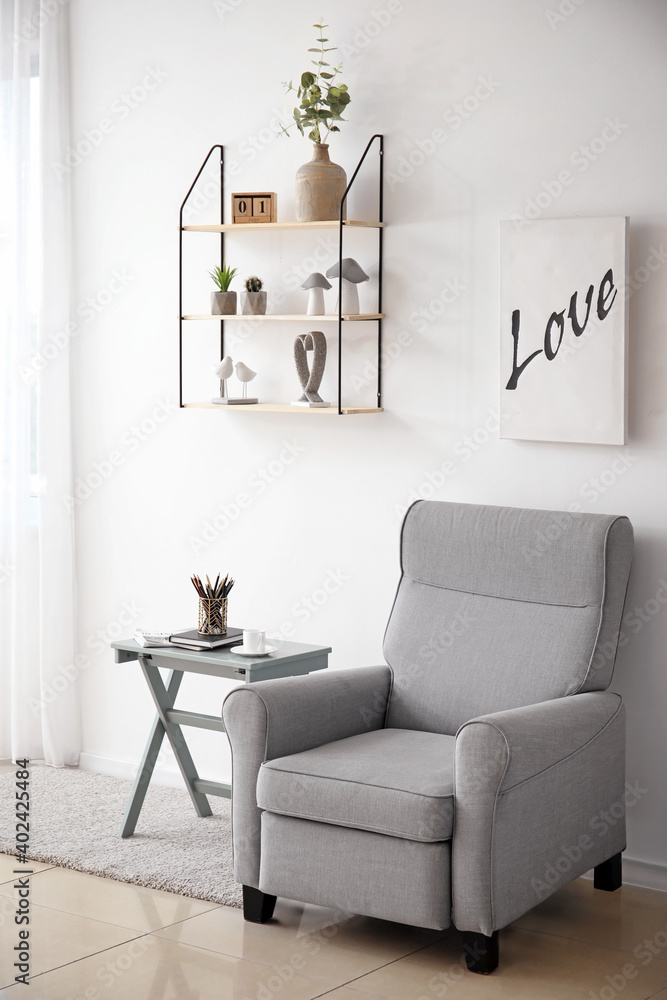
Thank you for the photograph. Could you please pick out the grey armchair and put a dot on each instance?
(465, 781)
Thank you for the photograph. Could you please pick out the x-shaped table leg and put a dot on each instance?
(164, 698)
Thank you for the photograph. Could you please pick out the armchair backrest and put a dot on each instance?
(499, 607)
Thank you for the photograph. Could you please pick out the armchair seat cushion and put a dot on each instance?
(398, 782)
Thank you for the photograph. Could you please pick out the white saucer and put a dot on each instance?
(240, 651)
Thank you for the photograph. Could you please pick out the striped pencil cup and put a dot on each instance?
(212, 616)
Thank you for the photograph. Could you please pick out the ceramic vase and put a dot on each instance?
(320, 185)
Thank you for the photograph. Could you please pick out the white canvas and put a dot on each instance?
(563, 378)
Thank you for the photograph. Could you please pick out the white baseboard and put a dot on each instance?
(644, 873)
(641, 873)
(127, 769)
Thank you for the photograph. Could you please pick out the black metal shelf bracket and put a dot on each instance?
(180, 261)
(341, 228)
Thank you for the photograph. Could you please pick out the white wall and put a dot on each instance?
(553, 81)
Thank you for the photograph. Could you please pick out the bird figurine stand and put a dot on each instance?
(316, 342)
(223, 369)
(244, 374)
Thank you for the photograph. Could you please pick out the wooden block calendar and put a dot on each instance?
(254, 206)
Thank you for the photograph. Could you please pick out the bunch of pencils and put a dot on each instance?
(211, 591)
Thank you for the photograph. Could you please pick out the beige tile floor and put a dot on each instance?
(97, 939)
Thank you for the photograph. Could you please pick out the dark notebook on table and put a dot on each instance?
(191, 639)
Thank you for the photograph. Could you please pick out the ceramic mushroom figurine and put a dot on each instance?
(352, 275)
(316, 283)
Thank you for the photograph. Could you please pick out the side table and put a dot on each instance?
(290, 659)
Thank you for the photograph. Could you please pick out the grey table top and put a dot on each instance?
(289, 657)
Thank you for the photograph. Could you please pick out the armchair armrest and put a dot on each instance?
(275, 718)
(532, 786)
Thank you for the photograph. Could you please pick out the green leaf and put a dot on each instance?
(321, 104)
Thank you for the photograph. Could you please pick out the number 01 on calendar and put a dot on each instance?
(254, 206)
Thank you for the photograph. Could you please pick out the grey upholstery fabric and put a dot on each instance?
(278, 717)
(529, 810)
(356, 871)
(504, 632)
(499, 607)
(393, 781)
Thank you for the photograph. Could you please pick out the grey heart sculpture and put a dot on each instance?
(316, 342)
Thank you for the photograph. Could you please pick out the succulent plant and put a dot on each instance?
(253, 284)
(222, 276)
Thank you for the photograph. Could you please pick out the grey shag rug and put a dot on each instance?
(74, 823)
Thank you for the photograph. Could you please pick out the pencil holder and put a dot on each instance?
(212, 616)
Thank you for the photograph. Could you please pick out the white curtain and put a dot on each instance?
(39, 715)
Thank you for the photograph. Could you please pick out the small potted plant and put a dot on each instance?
(253, 300)
(223, 302)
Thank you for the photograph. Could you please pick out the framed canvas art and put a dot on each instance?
(563, 330)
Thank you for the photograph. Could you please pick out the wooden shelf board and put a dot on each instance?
(264, 226)
(288, 318)
(281, 408)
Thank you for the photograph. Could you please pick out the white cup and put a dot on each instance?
(254, 640)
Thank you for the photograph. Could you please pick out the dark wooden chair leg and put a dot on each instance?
(257, 906)
(481, 952)
(609, 875)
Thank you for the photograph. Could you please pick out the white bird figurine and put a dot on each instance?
(245, 375)
(223, 369)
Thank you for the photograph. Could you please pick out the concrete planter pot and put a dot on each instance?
(223, 303)
(253, 303)
(320, 185)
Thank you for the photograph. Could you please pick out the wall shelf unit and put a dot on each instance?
(340, 225)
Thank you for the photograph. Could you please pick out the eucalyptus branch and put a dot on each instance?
(322, 101)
